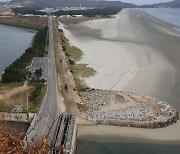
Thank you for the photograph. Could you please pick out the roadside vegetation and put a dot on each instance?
(13, 90)
(78, 70)
(72, 56)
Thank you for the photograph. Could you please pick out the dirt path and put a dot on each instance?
(6, 93)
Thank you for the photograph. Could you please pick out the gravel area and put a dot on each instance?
(113, 107)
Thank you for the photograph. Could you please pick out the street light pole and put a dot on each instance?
(27, 104)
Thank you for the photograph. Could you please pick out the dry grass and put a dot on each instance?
(12, 95)
(72, 20)
(24, 22)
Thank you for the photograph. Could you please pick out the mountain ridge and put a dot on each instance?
(172, 4)
(70, 3)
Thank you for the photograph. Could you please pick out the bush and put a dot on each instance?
(71, 62)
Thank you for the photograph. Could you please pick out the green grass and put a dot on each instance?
(75, 53)
(35, 104)
(82, 70)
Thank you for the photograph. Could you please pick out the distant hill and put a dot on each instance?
(2, 3)
(172, 4)
(70, 3)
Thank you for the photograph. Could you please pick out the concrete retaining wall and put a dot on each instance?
(19, 117)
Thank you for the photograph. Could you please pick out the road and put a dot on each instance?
(49, 109)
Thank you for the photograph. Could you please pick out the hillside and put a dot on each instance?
(173, 4)
(69, 3)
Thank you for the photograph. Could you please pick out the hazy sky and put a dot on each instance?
(145, 1)
(136, 1)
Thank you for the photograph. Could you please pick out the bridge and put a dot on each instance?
(59, 129)
(65, 134)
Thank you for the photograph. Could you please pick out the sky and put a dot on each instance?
(139, 2)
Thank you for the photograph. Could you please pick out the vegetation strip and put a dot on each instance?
(17, 72)
(78, 70)
(104, 12)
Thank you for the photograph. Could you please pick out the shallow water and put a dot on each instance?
(92, 147)
(13, 43)
(169, 15)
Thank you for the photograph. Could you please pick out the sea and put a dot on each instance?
(13, 42)
(91, 147)
(171, 16)
(167, 14)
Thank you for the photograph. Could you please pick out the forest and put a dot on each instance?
(104, 12)
(28, 10)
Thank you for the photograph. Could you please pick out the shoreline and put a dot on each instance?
(104, 133)
(29, 45)
(19, 27)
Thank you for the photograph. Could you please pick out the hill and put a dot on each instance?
(172, 4)
(70, 3)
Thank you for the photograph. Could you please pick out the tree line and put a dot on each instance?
(16, 72)
(28, 10)
(91, 12)
(107, 11)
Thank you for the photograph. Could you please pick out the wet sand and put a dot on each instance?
(136, 52)
(133, 51)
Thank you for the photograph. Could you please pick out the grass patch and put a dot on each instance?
(10, 85)
(79, 71)
(82, 70)
(75, 53)
(20, 98)
(34, 104)
(82, 107)
(120, 98)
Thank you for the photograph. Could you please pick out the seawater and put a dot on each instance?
(167, 14)
(13, 42)
(92, 147)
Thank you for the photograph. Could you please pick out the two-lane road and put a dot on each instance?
(49, 110)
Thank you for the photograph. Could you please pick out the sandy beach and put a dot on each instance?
(136, 52)
(130, 52)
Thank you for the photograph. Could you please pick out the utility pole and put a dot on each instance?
(27, 105)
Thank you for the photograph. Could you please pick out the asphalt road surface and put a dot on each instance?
(49, 109)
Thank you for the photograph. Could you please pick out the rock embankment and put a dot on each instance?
(128, 109)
